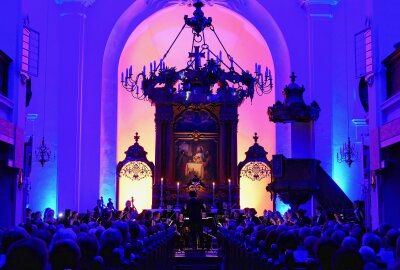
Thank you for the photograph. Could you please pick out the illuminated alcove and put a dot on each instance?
(151, 39)
(140, 190)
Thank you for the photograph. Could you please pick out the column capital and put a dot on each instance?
(85, 3)
(319, 8)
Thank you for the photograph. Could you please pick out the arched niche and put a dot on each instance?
(254, 175)
(138, 12)
(135, 178)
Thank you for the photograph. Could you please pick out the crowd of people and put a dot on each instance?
(296, 241)
(108, 239)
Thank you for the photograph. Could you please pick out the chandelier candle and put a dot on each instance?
(230, 194)
(161, 191)
(177, 194)
(213, 194)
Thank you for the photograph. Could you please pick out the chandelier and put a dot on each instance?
(348, 153)
(219, 80)
(43, 153)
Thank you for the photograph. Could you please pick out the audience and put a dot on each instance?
(270, 241)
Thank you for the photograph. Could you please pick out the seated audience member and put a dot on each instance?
(27, 254)
(63, 234)
(286, 241)
(324, 250)
(43, 234)
(13, 235)
(350, 242)
(110, 243)
(309, 244)
(347, 259)
(123, 228)
(367, 254)
(338, 237)
(373, 241)
(65, 254)
(89, 248)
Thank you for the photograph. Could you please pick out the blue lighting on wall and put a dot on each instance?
(280, 206)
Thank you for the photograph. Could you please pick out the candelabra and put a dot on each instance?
(348, 153)
(197, 83)
(43, 153)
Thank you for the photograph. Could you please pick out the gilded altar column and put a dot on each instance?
(228, 147)
(164, 141)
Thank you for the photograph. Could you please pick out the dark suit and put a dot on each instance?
(194, 209)
(97, 213)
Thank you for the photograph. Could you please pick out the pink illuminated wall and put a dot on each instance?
(149, 42)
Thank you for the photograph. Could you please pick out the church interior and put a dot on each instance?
(282, 117)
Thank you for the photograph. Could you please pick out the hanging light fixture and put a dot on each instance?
(43, 153)
(220, 80)
(348, 152)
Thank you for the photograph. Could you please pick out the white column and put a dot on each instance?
(320, 14)
(319, 134)
(70, 104)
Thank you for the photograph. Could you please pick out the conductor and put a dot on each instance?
(194, 209)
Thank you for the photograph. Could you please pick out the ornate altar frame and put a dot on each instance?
(223, 139)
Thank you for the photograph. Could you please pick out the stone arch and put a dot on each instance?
(139, 11)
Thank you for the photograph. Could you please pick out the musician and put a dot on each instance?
(49, 217)
(156, 218)
(253, 217)
(320, 217)
(169, 214)
(130, 212)
(183, 230)
(110, 205)
(98, 210)
(74, 219)
(194, 209)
